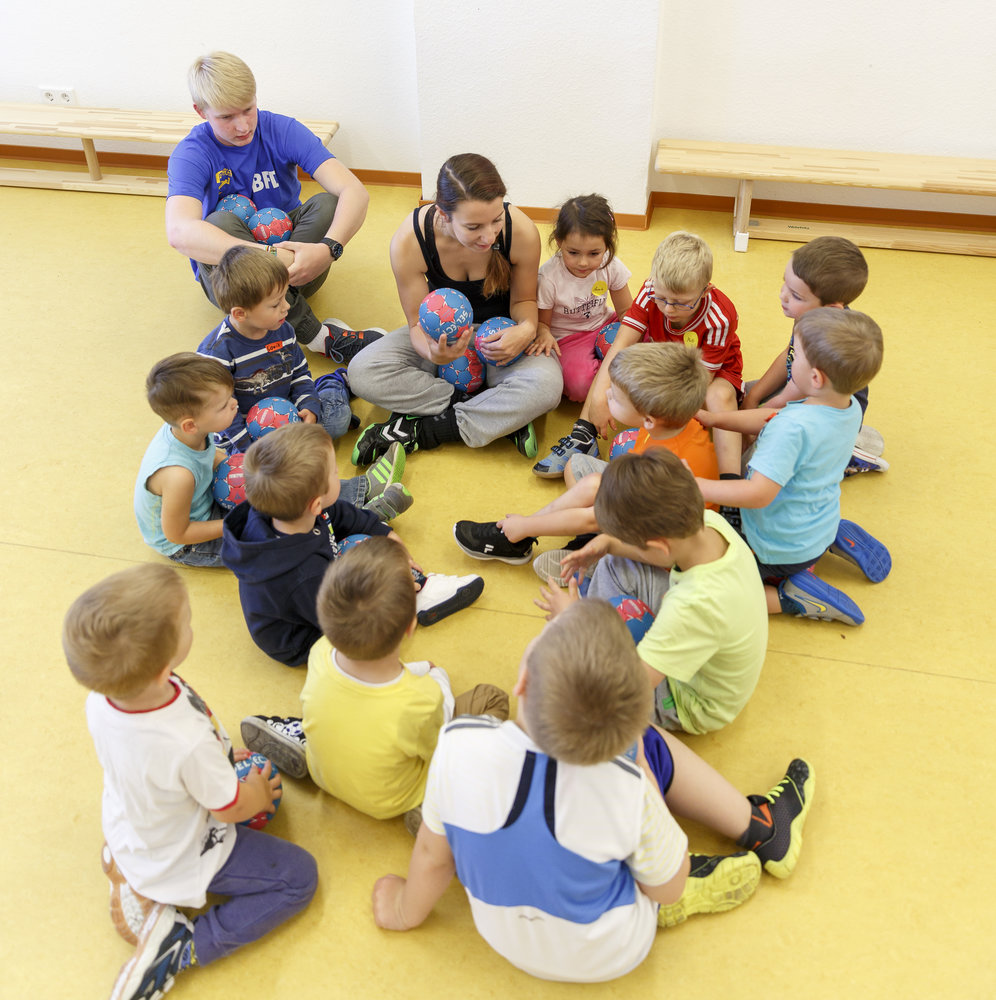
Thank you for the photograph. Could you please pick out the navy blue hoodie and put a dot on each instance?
(279, 575)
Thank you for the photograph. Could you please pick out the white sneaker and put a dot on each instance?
(870, 441)
(441, 595)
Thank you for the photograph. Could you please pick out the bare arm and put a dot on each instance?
(596, 404)
(758, 491)
(545, 342)
(401, 904)
(256, 795)
(408, 265)
(770, 382)
(622, 299)
(740, 421)
(175, 485)
(311, 259)
(188, 233)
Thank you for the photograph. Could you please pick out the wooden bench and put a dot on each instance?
(88, 124)
(894, 171)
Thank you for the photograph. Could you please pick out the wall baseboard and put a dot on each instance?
(657, 199)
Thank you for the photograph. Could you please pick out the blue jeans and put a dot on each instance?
(267, 881)
(336, 414)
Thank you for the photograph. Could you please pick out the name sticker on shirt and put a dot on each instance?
(270, 348)
(599, 288)
(691, 338)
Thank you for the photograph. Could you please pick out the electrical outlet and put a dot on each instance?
(62, 96)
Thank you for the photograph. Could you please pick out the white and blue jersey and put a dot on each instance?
(549, 853)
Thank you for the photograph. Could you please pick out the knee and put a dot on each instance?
(230, 223)
(721, 395)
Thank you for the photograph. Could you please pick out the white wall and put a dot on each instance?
(565, 95)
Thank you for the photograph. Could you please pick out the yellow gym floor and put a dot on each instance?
(890, 896)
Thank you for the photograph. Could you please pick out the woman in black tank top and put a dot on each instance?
(472, 240)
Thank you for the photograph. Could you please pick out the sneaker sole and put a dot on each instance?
(547, 564)
(155, 930)
(259, 738)
(784, 866)
(855, 545)
(548, 468)
(463, 598)
(870, 441)
(488, 557)
(733, 880)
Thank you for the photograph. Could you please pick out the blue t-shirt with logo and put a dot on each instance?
(265, 170)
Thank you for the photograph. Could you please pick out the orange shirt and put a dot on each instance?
(693, 444)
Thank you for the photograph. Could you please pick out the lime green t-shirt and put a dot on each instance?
(710, 635)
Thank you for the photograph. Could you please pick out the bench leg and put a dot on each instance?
(91, 159)
(741, 216)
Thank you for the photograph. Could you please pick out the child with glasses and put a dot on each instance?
(678, 303)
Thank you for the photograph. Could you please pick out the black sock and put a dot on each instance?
(730, 475)
(578, 542)
(436, 430)
(583, 431)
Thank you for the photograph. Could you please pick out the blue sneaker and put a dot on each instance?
(165, 947)
(805, 595)
(855, 545)
(552, 467)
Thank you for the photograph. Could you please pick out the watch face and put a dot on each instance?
(335, 248)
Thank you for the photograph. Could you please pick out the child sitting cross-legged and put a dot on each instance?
(280, 543)
(560, 825)
(656, 387)
(370, 720)
(171, 794)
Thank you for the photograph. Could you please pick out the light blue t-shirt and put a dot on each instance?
(165, 450)
(805, 449)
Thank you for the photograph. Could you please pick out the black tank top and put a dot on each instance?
(498, 304)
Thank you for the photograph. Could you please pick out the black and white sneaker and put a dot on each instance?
(484, 540)
(343, 344)
(165, 947)
(441, 596)
(376, 439)
(281, 740)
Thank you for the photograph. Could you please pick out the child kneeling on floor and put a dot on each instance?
(370, 721)
(280, 543)
(560, 826)
(171, 795)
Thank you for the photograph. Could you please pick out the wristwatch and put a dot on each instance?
(335, 247)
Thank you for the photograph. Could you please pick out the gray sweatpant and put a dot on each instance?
(390, 373)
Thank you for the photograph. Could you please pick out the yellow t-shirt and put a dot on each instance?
(369, 744)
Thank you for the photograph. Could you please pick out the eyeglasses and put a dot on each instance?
(684, 306)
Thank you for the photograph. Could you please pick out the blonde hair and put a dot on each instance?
(219, 81)
(587, 696)
(121, 633)
(833, 268)
(178, 386)
(367, 599)
(286, 469)
(244, 277)
(649, 496)
(682, 264)
(844, 344)
(665, 381)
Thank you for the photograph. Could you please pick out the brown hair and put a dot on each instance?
(244, 277)
(121, 633)
(665, 381)
(844, 344)
(587, 696)
(178, 386)
(833, 268)
(472, 177)
(589, 215)
(367, 599)
(649, 496)
(286, 469)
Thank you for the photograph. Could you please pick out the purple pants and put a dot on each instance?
(267, 879)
